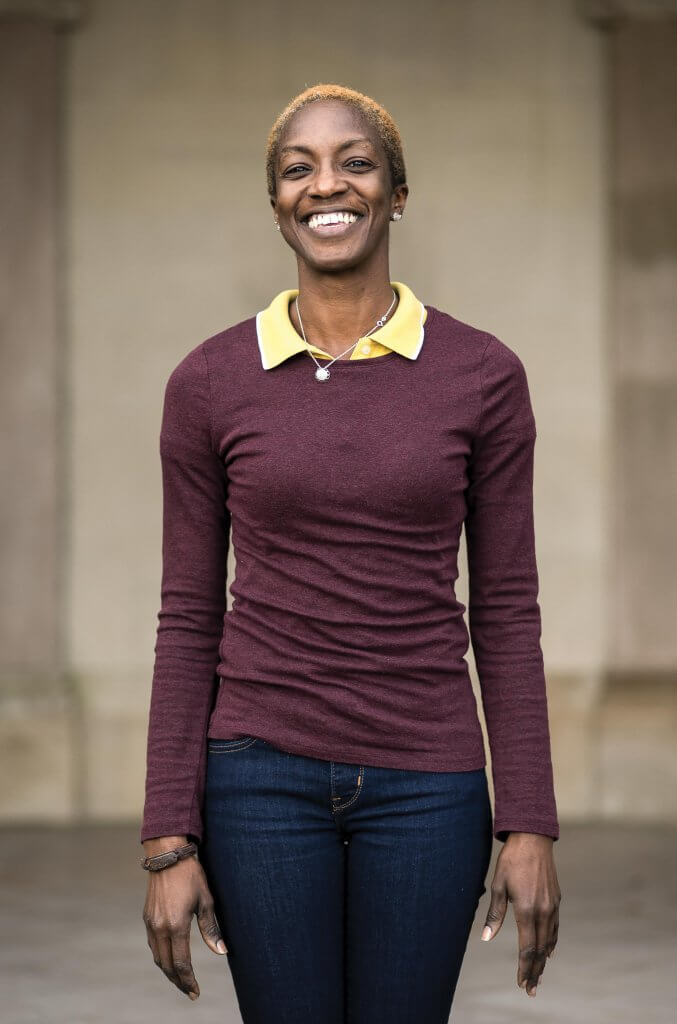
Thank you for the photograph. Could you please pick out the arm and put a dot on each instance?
(196, 523)
(503, 610)
(505, 629)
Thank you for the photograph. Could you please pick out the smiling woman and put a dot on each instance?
(368, 113)
(320, 741)
(336, 177)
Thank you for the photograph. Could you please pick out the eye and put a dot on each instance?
(362, 165)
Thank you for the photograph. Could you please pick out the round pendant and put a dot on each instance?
(321, 373)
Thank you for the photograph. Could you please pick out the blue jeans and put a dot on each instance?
(345, 893)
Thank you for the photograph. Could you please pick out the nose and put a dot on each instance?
(327, 181)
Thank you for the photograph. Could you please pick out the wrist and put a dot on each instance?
(162, 844)
(528, 837)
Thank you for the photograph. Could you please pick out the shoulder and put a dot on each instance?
(196, 366)
(479, 346)
(499, 375)
(229, 345)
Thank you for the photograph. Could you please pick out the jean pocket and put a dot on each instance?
(216, 746)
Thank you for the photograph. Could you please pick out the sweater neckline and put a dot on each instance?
(362, 364)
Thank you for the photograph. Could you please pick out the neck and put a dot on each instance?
(337, 309)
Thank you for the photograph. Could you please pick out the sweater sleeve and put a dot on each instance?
(503, 609)
(195, 536)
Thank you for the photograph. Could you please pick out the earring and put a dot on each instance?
(396, 215)
(277, 224)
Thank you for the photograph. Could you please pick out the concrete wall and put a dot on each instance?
(36, 707)
(638, 715)
(504, 112)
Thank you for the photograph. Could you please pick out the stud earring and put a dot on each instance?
(396, 215)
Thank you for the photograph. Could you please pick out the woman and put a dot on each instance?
(320, 740)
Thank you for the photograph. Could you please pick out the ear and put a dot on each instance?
(400, 196)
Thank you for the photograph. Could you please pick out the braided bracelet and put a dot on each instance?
(165, 860)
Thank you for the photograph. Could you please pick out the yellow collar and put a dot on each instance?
(278, 339)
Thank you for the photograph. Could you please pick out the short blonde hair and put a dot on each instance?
(375, 115)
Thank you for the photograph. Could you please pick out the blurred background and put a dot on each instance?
(541, 148)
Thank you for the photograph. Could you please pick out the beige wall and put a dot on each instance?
(503, 108)
(36, 707)
(638, 716)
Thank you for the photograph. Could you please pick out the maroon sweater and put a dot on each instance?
(345, 640)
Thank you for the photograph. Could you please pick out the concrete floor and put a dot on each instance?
(73, 948)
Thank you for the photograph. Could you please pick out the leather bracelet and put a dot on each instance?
(169, 857)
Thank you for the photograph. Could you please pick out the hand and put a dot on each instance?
(174, 895)
(525, 876)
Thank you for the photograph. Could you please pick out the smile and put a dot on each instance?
(338, 223)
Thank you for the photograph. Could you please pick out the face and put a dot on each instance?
(331, 160)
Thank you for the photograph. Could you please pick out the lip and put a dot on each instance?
(332, 230)
(333, 209)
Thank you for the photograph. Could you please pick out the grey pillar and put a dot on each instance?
(37, 762)
(638, 767)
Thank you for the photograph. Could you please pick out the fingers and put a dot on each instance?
(208, 925)
(526, 941)
(551, 932)
(152, 941)
(165, 960)
(182, 966)
(555, 932)
(542, 929)
(537, 938)
(497, 909)
(171, 953)
(173, 959)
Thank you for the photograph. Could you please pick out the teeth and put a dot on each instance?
(342, 217)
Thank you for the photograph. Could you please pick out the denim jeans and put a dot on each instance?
(345, 893)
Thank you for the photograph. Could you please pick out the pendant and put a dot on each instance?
(321, 373)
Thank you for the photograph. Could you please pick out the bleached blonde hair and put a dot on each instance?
(373, 113)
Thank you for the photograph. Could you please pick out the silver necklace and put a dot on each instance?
(322, 372)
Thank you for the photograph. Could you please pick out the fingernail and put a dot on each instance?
(192, 995)
(221, 946)
(486, 933)
(532, 991)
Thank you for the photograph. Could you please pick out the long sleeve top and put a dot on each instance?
(346, 498)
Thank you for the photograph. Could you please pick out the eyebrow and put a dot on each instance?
(307, 149)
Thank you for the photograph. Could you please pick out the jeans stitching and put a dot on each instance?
(213, 747)
(360, 783)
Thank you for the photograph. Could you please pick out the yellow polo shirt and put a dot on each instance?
(403, 333)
